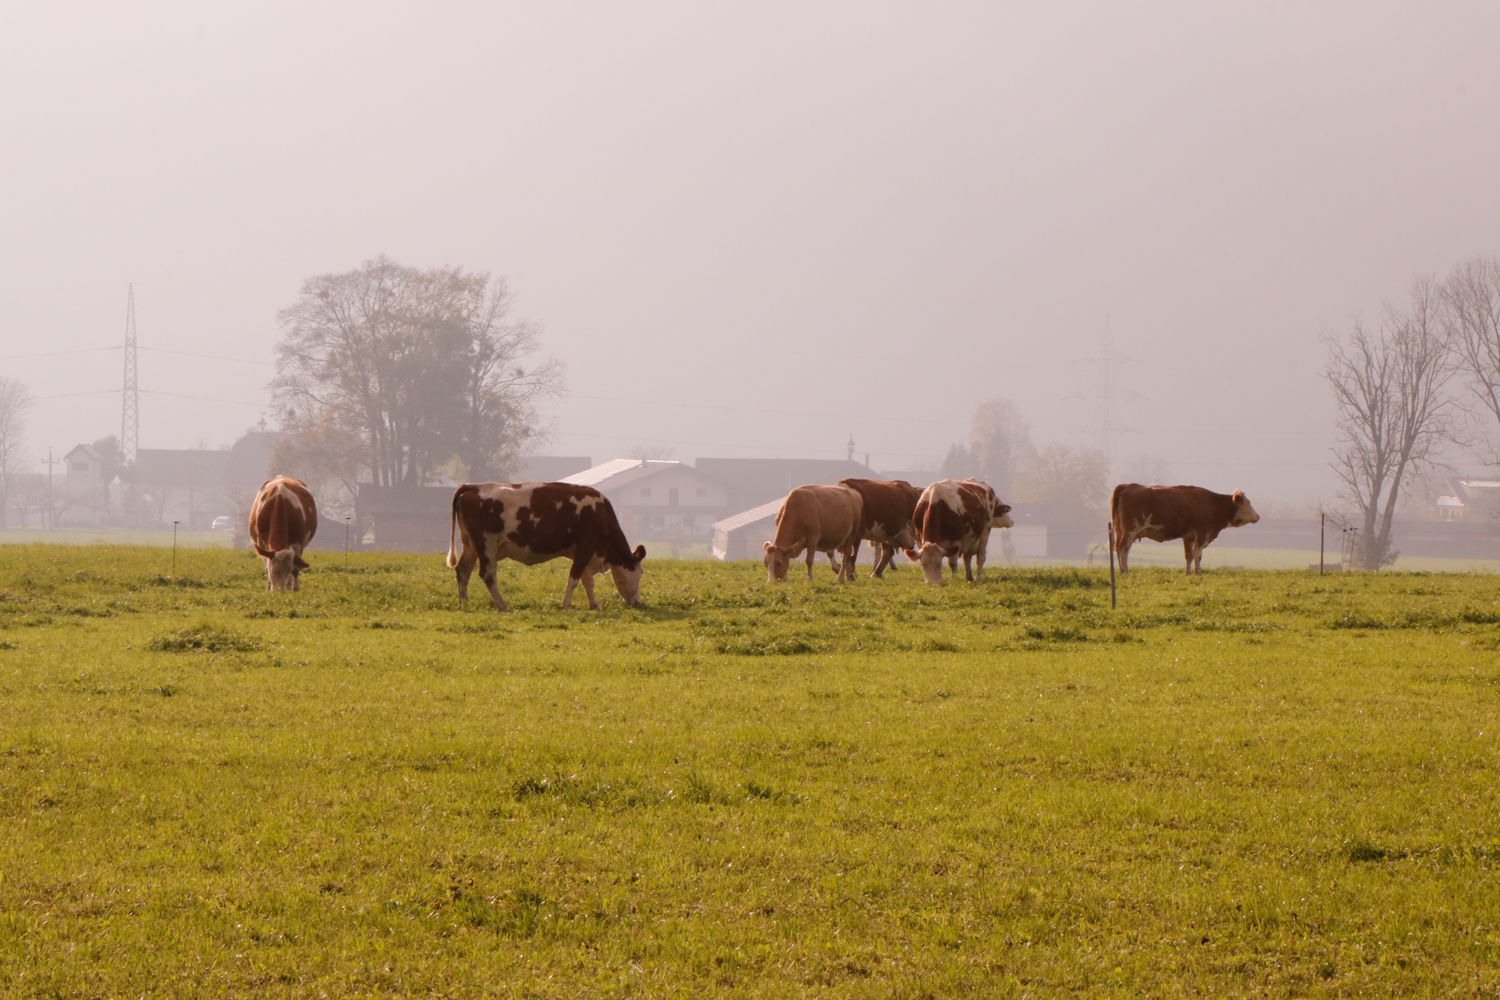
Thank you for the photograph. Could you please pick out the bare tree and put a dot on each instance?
(1471, 296)
(999, 444)
(1390, 389)
(422, 368)
(1070, 478)
(15, 402)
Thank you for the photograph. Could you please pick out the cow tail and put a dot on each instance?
(452, 528)
(1114, 503)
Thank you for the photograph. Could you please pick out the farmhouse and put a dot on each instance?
(661, 500)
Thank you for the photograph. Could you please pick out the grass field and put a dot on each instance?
(1250, 783)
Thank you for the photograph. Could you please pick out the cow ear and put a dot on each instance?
(639, 553)
(768, 546)
(1239, 496)
(301, 563)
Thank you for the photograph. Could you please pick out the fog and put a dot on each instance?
(758, 231)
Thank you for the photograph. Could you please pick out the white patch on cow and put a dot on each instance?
(583, 503)
(507, 493)
(946, 491)
(287, 494)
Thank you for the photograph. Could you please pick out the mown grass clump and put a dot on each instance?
(1248, 783)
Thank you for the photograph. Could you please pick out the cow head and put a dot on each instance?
(930, 556)
(1002, 518)
(777, 560)
(1243, 512)
(627, 575)
(282, 569)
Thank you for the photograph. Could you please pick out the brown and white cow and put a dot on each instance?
(887, 519)
(953, 518)
(283, 520)
(818, 519)
(534, 522)
(1162, 513)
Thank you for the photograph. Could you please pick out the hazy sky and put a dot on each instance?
(754, 229)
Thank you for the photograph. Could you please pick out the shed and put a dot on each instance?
(740, 536)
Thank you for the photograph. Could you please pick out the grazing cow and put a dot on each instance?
(283, 520)
(818, 519)
(534, 522)
(1162, 513)
(886, 522)
(954, 518)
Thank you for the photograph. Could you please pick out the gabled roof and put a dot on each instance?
(88, 452)
(618, 472)
(758, 480)
(744, 517)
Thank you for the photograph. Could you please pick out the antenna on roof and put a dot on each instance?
(851, 446)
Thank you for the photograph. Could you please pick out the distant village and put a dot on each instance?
(723, 508)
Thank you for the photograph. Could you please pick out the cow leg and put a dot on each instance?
(587, 579)
(968, 567)
(1187, 551)
(463, 570)
(489, 573)
(883, 554)
(1122, 551)
(812, 554)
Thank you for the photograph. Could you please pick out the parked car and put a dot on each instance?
(221, 523)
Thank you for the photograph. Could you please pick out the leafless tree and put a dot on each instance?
(1390, 386)
(999, 444)
(424, 369)
(1471, 297)
(15, 402)
(1076, 479)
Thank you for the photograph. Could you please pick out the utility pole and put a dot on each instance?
(50, 463)
(130, 406)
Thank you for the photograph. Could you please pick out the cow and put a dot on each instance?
(1163, 513)
(886, 522)
(283, 520)
(534, 522)
(819, 519)
(953, 518)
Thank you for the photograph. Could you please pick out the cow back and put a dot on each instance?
(283, 516)
(818, 516)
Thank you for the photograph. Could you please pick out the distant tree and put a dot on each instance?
(999, 444)
(1076, 479)
(1471, 300)
(1390, 389)
(1148, 469)
(957, 464)
(650, 452)
(418, 372)
(15, 403)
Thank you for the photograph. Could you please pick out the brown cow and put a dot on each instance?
(886, 522)
(283, 520)
(1162, 513)
(818, 519)
(534, 522)
(953, 518)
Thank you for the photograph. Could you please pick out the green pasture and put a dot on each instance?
(1251, 783)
